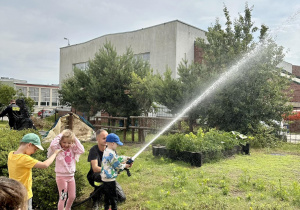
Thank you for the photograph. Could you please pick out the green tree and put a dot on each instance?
(6, 94)
(107, 82)
(30, 103)
(141, 89)
(168, 91)
(257, 93)
(74, 91)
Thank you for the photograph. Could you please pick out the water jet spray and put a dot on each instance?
(246, 60)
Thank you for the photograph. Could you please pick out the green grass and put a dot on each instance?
(266, 179)
(3, 124)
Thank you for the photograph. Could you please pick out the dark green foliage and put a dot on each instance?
(211, 141)
(116, 84)
(6, 94)
(213, 145)
(257, 92)
(264, 136)
(168, 91)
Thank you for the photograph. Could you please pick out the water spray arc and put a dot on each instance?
(248, 58)
(222, 79)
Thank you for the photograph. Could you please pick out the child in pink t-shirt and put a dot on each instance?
(65, 166)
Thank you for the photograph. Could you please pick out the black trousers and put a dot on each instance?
(110, 198)
(96, 177)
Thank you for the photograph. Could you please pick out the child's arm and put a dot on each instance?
(79, 148)
(55, 143)
(47, 162)
(118, 162)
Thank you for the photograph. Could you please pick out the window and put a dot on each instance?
(45, 97)
(34, 94)
(81, 66)
(55, 98)
(144, 56)
(22, 90)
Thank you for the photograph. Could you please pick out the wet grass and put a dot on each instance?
(266, 179)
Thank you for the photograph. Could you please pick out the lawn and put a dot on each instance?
(3, 124)
(266, 179)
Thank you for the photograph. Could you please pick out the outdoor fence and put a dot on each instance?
(136, 124)
(292, 127)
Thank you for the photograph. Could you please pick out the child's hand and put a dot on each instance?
(58, 151)
(128, 158)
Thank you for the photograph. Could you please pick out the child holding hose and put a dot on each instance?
(111, 165)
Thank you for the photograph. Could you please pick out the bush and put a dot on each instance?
(264, 136)
(211, 144)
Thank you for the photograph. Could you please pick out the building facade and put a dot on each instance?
(163, 45)
(45, 96)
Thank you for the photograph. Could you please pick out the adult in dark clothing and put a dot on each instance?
(10, 111)
(93, 176)
(24, 121)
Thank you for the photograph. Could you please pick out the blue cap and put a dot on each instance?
(113, 138)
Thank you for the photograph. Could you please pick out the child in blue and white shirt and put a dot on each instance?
(111, 165)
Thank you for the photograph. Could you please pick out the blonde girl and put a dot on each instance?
(65, 166)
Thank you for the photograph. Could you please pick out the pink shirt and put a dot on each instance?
(65, 163)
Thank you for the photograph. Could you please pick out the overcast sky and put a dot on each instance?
(32, 31)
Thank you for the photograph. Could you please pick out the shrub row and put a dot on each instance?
(212, 145)
(211, 141)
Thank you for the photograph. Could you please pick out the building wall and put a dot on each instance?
(286, 66)
(186, 37)
(296, 70)
(167, 43)
(295, 86)
(53, 103)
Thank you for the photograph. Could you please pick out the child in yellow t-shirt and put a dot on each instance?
(20, 163)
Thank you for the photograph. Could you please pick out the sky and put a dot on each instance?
(33, 31)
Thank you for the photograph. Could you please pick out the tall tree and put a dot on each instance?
(168, 91)
(6, 94)
(74, 91)
(255, 94)
(106, 84)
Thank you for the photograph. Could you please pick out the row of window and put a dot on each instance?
(45, 95)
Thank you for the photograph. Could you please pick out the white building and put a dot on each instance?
(163, 45)
(45, 96)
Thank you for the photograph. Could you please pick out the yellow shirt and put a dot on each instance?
(19, 168)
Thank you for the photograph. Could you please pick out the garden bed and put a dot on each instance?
(199, 158)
